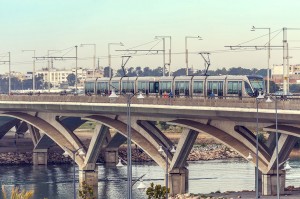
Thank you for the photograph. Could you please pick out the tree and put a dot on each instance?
(181, 72)
(106, 71)
(139, 71)
(71, 79)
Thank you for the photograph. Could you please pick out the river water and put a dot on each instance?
(55, 181)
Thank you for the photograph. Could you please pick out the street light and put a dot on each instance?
(66, 154)
(120, 164)
(109, 56)
(269, 56)
(93, 57)
(187, 53)
(287, 166)
(33, 70)
(269, 100)
(165, 150)
(259, 97)
(141, 187)
(249, 157)
(129, 96)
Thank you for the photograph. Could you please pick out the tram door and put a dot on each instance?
(215, 87)
(153, 87)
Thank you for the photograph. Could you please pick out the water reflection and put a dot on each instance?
(55, 181)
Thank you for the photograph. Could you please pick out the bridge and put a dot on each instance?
(53, 119)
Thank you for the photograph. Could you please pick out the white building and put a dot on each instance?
(57, 76)
(293, 69)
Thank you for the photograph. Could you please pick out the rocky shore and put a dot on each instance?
(207, 152)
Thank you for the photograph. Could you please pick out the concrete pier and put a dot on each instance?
(178, 181)
(90, 177)
(40, 157)
(111, 156)
(269, 183)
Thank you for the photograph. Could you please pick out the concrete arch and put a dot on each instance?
(137, 138)
(224, 138)
(284, 129)
(7, 125)
(49, 130)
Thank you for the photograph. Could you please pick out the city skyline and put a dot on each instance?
(57, 25)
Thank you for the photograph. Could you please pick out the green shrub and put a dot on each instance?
(86, 191)
(157, 191)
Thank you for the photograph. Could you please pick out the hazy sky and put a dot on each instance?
(61, 24)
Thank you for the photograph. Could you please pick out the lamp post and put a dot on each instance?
(165, 150)
(187, 53)
(269, 100)
(33, 70)
(109, 56)
(141, 187)
(9, 74)
(76, 63)
(93, 57)
(49, 79)
(66, 154)
(128, 96)
(269, 55)
(259, 97)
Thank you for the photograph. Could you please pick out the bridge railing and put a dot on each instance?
(288, 104)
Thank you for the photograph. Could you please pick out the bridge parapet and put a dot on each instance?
(291, 104)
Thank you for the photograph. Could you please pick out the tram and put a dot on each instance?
(187, 86)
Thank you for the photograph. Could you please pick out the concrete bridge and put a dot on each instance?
(54, 118)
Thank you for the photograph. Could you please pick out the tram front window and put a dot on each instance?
(257, 83)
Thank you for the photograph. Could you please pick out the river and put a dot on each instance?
(55, 181)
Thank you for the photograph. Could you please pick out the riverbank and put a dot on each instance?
(290, 193)
(204, 152)
(207, 152)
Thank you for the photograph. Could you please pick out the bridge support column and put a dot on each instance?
(178, 181)
(269, 183)
(90, 177)
(40, 157)
(111, 156)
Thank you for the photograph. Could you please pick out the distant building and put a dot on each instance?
(56, 77)
(294, 74)
(59, 76)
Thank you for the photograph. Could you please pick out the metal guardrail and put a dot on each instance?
(224, 101)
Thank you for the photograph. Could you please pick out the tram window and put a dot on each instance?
(215, 87)
(198, 87)
(248, 89)
(115, 85)
(142, 86)
(89, 86)
(102, 86)
(165, 86)
(234, 87)
(181, 86)
(128, 86)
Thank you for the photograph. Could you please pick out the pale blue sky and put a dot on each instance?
(59, 24)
